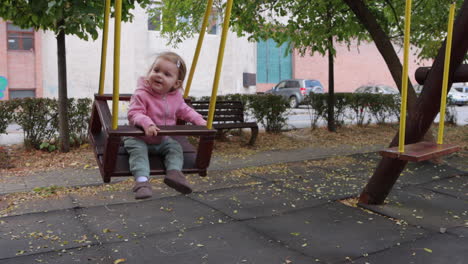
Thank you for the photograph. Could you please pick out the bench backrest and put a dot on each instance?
(225, 111)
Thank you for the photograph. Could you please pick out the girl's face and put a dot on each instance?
(163, 77)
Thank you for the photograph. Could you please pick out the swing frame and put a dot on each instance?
(106, 135)
(112, 158)
(422, 150)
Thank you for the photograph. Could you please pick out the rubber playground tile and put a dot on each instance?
(458, 160)
(421, 207)
(456, 186)
(330, 186)
(425, 172)
(334, 233)
(343, 166)
(256, 200)
(461, 231)
(437, 249)
(414, 172)
(224, 243)
(42, 232)
(40, 204)
(95, 254)
(344, 179)
(68, 177)
(268, 173)
(121, 222)
(222, 179)
(118, 196)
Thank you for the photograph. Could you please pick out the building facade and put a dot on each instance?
(28, 62)
(20, 62)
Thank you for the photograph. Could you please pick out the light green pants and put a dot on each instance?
(170, 150)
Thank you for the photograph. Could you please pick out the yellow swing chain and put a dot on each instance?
(219, 64)
(404, 78)
(105, 34)
(115, 92)
(443, 97)
(199, 45)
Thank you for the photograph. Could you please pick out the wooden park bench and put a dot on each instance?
(227, 115)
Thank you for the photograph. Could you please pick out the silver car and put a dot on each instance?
(376, 89)
(295, 90)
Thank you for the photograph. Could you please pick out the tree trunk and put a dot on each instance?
(331, 88)
(385, 47)
(427, 108)
(64, 132)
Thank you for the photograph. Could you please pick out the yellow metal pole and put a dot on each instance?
(105, 35)
(443, 97)
(404, 78)
(219, 63)
(115, 92)
(199, 45)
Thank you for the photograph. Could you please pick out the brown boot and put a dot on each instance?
(175, 179)
(142, 190)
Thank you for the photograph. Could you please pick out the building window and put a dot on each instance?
(213, 22)
(155, 17)
(272, 64)
(21, 93)
(20, 39)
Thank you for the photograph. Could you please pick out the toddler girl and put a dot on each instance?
(158, 101)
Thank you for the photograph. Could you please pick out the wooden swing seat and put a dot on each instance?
(112, 158)
(420, 151)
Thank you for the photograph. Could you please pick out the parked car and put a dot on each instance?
(457, 98)
(455, 95)
(376, 89)
(295, 90)
(463, 89)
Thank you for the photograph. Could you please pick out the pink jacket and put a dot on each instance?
(148, 107)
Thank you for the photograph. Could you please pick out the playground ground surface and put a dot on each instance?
(290, 199)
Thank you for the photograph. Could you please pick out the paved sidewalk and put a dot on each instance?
(253, 210)
(90, 176)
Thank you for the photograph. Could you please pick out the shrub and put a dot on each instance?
(341, 104)
(38, 118)
(79, 116)
(6, 115)
(317, 107)
(358, 103)
(383, 106)
(269, 110)
(450, 115)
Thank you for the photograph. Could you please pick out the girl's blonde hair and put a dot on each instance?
(174, 58)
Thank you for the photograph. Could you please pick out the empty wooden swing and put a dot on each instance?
(422, 150)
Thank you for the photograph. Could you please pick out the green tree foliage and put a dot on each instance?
(305, 24)
(64, 17)
(81, 18)
(428, 23)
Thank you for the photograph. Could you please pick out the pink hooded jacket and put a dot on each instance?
(148, 107)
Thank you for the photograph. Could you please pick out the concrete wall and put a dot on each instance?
(138, 50)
